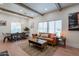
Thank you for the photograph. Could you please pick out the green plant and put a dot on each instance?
(26, 29)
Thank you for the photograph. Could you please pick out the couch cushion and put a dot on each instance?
(44, 35)
(52, 36)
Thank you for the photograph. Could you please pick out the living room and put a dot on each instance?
(34, 29)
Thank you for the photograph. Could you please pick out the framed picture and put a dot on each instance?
(2, 23)
(74, 21)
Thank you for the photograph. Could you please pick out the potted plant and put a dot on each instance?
(26, 29)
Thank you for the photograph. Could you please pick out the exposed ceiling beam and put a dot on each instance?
(58, 6)
(3, 9)
(25, 6)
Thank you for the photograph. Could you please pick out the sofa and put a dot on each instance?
(50, 37)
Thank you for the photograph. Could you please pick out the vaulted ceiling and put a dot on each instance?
(32, 9)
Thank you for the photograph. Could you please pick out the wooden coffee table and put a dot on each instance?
(39, 43)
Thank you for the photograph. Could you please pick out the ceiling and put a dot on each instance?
(42, 7)
(32, 9)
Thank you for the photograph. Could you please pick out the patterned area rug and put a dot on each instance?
(32, 51)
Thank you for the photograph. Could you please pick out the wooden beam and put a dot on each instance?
(25, 6)
(58, 6)
(3, 9)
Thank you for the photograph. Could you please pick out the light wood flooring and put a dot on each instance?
(15, 50)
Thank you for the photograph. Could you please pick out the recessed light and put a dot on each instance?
(21, 10)
(45, 9)
(32, 14)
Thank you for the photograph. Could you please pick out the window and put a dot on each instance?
(42, 27)
(51, 27)
(15, 27)
(58, 27)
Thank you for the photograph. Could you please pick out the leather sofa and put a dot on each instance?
(50, 37)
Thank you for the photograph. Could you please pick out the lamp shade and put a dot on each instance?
(63, 34)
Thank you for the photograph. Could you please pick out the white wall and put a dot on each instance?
(9, 18)
(72, 36)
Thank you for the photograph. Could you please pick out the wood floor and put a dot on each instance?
(15, 50)
(12, 48)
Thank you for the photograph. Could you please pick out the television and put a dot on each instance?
(74, 21)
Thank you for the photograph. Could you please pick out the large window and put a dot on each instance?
(15, 27)
(42, 27)
(58, 27)
(50, 27)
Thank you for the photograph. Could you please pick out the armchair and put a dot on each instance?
(52, 39)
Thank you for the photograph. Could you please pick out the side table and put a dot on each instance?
(61, 41)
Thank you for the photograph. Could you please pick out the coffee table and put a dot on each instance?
(39, 43)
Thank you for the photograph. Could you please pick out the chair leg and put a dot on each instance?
(4, 39)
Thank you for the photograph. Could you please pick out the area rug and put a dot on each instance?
(32, 51)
